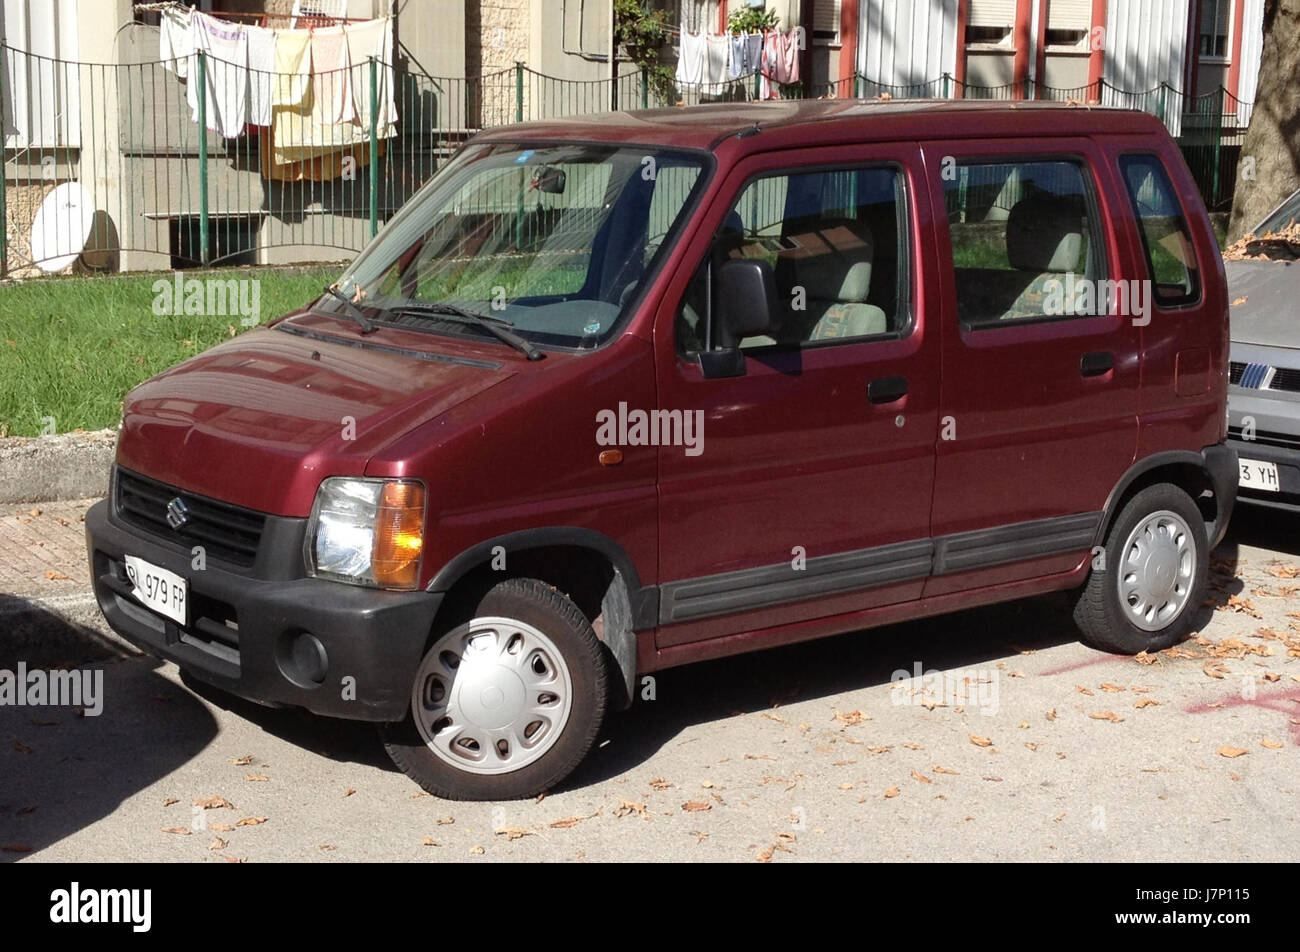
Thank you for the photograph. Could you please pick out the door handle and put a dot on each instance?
(887, 389)
(1096, 364)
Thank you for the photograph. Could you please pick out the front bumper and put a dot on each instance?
(334, 649)
(1286, 458)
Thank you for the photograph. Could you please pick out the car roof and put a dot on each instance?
(788, 123)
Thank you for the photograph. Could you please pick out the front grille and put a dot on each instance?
(1235, 370)
(1285, 379)
(227, 533)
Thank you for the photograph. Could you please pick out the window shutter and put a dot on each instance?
(1069, 15)
(999, 13)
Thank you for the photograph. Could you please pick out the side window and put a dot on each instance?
(1025, 241)
(1171, 256)
(836, 241)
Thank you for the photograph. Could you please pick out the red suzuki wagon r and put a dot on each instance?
(619, 393)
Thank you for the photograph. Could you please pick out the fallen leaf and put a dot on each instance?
(217, 843)
(911, 746)
(445, 821)
(1241, 300)
(1112, 688)
(1107, 716)
(571, 821)
(1231, 752)
(22, 748)
(15, 848)
(851, 718)
(251, 821)
(513, 832)
(846, 786)
(349, 791)
(1271, 744)
(170, 801)
(241, 761)
(214, 803)
(697, 806)
(54, 576)
(1082, 690)
(1051, 715)
(1059, 818)
(891, 793)
(626, 807)
(1023, 725)
(476, 851)
(1215, 669)
(1145, 702)
(257, 778)
(1031, 745)
(429, 841)
(178, 830)
(944, 770)
(220, 827)
(1143, 658)
(980, 741)
(921, 778)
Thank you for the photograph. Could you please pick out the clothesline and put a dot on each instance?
(715, 59)
(161, 5)
(306, 92)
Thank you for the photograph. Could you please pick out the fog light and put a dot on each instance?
(302, 658)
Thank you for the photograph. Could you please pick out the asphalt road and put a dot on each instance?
(1036, 748)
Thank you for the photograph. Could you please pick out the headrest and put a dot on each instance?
(1045, 233)
(835, 263)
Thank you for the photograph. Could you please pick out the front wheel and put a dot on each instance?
(1145, 593)
(507, 704)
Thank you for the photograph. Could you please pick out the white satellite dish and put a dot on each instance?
(62, 227)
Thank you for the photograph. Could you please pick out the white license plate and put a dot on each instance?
(1257, 474)
(165, 592)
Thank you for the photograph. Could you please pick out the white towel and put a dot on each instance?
(373, 38)
(690, 59)
(175, 47)
(261, 74)
(332, 96)
(292, 66)
(226, 72)
(717, 48)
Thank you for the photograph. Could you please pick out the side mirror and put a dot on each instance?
(550, 180)
(745, 293)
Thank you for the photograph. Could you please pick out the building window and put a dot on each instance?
(1216, 21)
(1068, 23)
(991, 22)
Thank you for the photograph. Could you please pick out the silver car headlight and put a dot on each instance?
(367, 532)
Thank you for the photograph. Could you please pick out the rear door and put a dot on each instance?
(810, 492)
(1041, 357)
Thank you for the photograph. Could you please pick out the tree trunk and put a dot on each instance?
(1272, 142)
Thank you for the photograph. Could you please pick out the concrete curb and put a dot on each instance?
(53, 468)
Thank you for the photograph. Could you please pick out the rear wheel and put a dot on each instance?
(1144, 595)
(506, 704)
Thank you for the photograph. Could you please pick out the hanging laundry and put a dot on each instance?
(332, 96)
(787, 67)
(690, 59)
(715, 63)
(226, 75)
(769, 58)
(175, 47)
(753, 53)
(736, 56)
(292, 67)
(321, 168)
(374, 39)
(261, 74)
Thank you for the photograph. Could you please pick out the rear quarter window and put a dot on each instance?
(1170, 254)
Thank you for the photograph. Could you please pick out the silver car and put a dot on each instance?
(1264, 379)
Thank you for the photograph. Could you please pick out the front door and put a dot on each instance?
(809, 492)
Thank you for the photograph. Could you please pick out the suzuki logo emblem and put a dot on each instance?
(177, 513)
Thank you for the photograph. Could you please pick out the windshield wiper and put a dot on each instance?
(462, 315)
(367, 326)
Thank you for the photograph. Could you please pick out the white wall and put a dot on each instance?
(907, 41)
(42, 106)
(1145, 45)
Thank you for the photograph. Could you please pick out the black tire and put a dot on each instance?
(1099, 612)
(550, 612)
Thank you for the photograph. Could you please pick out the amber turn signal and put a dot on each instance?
(611, 457)
(399, 536)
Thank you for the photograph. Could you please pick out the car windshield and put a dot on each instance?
(1286, 214)
(555, 239)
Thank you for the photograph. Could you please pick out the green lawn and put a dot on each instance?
(71, 347)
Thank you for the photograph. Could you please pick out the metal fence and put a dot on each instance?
(156, 190)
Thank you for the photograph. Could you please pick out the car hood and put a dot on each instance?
(259, 420)
(1264, 296)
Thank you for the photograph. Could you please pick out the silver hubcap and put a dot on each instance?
(1158, 564)
(493, 698)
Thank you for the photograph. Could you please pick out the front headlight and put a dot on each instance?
(367, 532)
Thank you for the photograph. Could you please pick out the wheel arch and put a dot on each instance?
(1190, 471)
(589, 567)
